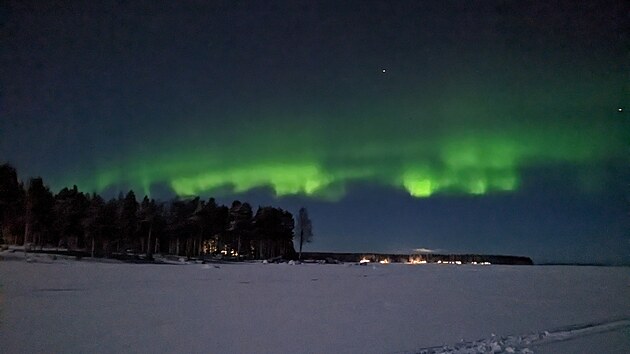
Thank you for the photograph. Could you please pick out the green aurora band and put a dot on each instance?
(469, 108)
(320, 157)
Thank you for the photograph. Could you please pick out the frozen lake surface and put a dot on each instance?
(90, 307)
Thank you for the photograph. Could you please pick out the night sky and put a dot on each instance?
(457, 126)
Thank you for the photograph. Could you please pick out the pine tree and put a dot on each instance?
(69, 211)
(94, 221)
(128, 220)
(39, 211)
(240, 224)
(273, 230)
(12, 203)
(147, 216)
(181, 223)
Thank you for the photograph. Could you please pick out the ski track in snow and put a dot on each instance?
(524, 343)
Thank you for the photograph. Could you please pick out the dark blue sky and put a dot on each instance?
(485, 127)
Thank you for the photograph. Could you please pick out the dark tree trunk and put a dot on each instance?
(301, 243)
(149, 253)
(26, 234)
(238, 247)
(93, 244)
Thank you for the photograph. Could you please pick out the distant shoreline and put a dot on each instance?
(420, 257)
(582, 264)
(333, 257)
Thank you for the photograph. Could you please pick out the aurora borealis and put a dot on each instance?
(456, 163)
(427, 106)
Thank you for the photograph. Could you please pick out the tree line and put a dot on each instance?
(33, 216)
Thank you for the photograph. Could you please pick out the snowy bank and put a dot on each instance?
(78, 307)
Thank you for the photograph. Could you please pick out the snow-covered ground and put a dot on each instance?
(88, 307)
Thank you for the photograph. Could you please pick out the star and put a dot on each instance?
(619, 109)
(383, 70)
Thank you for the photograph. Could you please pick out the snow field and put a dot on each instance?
(82, 306)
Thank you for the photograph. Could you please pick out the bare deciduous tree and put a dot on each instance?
(304, 229)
